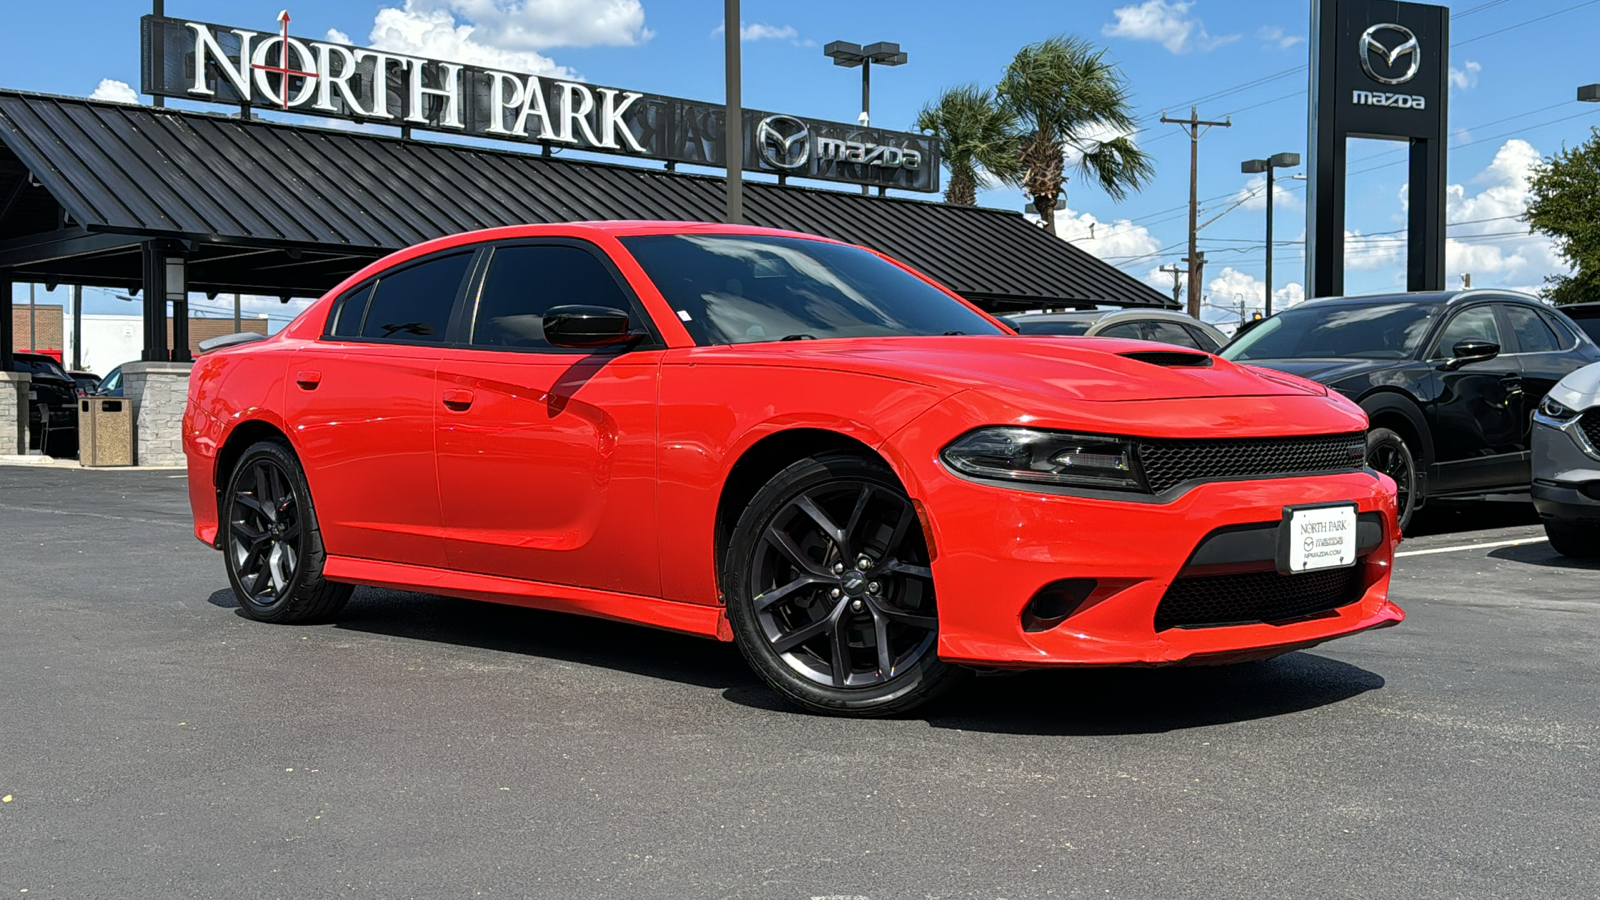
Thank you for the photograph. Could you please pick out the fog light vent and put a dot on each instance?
(1055, 603)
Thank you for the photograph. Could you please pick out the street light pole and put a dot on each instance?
(884, 53)
(733, 114)
(1268, 166)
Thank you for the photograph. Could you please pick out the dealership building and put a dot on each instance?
(164, 202)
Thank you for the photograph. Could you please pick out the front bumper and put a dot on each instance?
(1566, 473)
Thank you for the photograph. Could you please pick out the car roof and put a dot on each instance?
(1422, 297)
(1581, 310)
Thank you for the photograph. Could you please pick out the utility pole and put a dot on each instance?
(1195, 127)
(1177, 282)
(77, 327)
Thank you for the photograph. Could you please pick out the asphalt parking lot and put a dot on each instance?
(153, 742)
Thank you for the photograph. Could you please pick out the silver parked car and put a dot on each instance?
(1140, 324)
(1566, 463)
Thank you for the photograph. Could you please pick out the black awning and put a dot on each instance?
(283, 209)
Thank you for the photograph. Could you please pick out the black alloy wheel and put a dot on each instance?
(271, 542)
(1388, 453)
(830, 590)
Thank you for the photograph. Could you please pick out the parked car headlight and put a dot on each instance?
(1551, 409)
(1047, 457)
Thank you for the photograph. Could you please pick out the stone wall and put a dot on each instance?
(14, 413)
(158, 392)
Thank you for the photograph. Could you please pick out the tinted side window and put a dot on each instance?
(1202, 340)
(1533, 335)
(1564, 333)
(414, 304)
(1160, 332)
(1474, 324)
(525, 282)
(349, 312)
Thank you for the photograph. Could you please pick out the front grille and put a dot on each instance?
(1590, 423)
(1211, 601)
(1169, 463)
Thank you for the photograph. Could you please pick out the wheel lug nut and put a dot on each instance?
(864, 563)
(857, 605)
(836, 593)
(838, 567)
(874, 587)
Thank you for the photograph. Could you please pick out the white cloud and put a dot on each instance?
(1120, 241)
(757, 31)
(1369, 252)
(1253, 196)
(1488, 238)
(115, 91)
(504, 34)
(1167, 23)
(1232, 287)
(1466, 77)
(1273, 34)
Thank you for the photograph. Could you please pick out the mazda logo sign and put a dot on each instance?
(784, 141)
(1405, 44)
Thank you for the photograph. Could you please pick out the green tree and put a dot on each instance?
(977, 140)
(1566, 207)
(1065, 95)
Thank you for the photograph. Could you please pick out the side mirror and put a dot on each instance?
(1471, 351)
(587, 327)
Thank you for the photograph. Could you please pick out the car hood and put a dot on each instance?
(1327, 371)
(1048, 367)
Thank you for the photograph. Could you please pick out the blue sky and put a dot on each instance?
(1516, 66)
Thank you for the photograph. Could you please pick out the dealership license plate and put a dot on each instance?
(1318, 537)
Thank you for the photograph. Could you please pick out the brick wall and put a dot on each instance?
(49, 327)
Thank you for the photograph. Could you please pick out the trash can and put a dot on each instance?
(105, 431)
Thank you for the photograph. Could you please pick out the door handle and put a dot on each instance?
(457, 400)
(308, 380)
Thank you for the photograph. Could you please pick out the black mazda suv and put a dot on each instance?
(1449, 380)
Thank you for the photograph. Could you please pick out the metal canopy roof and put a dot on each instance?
(279, 209)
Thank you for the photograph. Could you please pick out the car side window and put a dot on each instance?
(1475, 323)
(349, 312)
(413, 304)
(1565, 335)
(1533, 335)
(523, 283)
(1202, 340)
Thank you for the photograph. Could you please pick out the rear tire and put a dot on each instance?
(1579, 540)
(829, 590)
(1388, 452)
(271, 543)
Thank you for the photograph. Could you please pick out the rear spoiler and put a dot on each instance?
(229, 340)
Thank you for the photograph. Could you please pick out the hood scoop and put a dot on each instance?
(1170, 359)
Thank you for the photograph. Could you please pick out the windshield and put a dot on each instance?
(741, 289)
(1343, 331)
(45, 367)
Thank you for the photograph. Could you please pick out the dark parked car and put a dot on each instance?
(52, 405)
(111, 385)
(1587, 315)
(88, 382)
(1450, 380)
(1139, 324)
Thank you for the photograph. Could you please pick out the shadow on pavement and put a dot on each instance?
(1542, 555)
(1452, 517)
(1150, 701)
(1101, 701)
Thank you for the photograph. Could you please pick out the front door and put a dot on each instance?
(547, 456)
(1478, 415)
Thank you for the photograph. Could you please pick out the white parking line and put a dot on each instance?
(1461, 547)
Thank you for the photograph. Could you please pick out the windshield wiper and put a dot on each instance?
(799, 337)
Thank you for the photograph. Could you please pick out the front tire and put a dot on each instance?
(1388, 452)
(1579, 540)
(829, 590)
(271, 542)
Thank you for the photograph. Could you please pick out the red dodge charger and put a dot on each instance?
(786, 442)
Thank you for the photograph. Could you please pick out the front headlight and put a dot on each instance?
(1551, 409)
(1047, 457)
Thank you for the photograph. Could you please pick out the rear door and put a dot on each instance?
(547, 455)
(360, 404)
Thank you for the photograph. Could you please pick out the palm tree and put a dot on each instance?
(977, 139)
(1066, 96)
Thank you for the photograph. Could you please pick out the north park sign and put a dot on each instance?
(275, 70)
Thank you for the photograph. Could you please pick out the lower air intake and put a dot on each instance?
(1214, 601)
